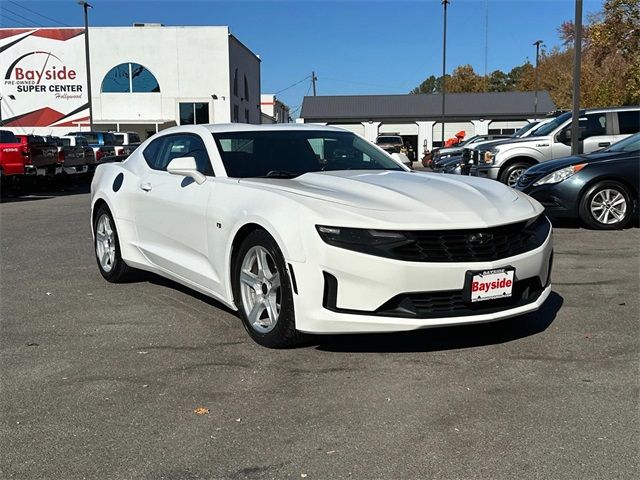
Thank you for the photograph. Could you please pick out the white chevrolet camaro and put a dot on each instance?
(311, 229)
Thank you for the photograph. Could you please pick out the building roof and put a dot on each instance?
(425, 106)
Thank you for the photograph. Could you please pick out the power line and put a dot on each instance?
(20, 16)
(15, 21)
(293, 85)
(39, 14)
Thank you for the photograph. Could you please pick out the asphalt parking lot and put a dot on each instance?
(101, 380)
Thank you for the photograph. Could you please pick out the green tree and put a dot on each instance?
(431, 84)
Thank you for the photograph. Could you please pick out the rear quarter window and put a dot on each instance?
(629, 122)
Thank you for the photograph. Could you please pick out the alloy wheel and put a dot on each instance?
(260, 289)
(608, 206)
(514, 175)
(105, 243)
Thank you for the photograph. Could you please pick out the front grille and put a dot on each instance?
(527, 179)
(472, 245)
(451, 303)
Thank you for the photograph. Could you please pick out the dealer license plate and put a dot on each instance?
(489, 284)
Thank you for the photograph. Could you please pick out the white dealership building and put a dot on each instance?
(143, 78)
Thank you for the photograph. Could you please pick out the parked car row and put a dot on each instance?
(25, 156)
(598, 187)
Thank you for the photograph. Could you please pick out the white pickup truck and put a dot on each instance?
(507, 160)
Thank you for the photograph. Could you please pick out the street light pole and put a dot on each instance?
(445, 3)
(86, 6)
(535, 102)
(576, 143)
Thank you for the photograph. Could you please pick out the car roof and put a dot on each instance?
(246, 127)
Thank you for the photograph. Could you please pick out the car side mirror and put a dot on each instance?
(186, 167)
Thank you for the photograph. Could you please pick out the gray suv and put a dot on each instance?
(507, 160)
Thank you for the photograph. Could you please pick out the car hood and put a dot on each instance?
(450, 150)
(553, 165)
(411, 199)
(495, 143)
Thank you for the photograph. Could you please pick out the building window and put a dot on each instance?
(194, 113)
(130, 78)
(236, 113)
(246, 88)
(235, 82)
(246, 115)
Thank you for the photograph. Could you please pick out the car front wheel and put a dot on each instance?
(512, 173)
(107, 248)
(606, 206)
(263, 292)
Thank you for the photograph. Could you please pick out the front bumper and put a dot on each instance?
(559, 200)
(366, 284)
(485, 171)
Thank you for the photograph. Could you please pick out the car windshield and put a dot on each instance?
(518, 133)
(469, 141)
(393, 140)
(629, 144)
(289, 153)
(547, 128)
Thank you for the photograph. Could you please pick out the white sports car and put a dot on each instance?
(310, 229)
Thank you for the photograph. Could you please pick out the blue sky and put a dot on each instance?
(355, 47)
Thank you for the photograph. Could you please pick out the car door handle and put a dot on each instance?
(604, 144)
(145, 186)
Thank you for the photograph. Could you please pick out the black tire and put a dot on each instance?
(119, 272)
(284, 333)
(509, 176)
(598, 191)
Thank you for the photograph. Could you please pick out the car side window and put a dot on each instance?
(596, 125)
(178, 146)
(150, 153)
(629, 121)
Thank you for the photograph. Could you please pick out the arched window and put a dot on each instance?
(130, 78)
(246, 88)
(235, 82)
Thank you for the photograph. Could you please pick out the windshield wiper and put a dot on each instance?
(281, 174)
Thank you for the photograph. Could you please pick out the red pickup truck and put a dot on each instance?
(13, 163)
(40, 155)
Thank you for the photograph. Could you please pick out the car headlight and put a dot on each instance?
(490, 155)
(373, 242)
(560, 175)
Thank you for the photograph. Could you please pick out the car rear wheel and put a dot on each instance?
(606, 206)
(263, 293)
(107, 248)
(512, 173)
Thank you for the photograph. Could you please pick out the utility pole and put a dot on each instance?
(576, 142)
(86, 6)
(445, 3)
(535, 101)
(313, 82)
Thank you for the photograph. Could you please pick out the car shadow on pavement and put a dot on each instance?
(45, 191)
(154, 279)
(446, 338)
